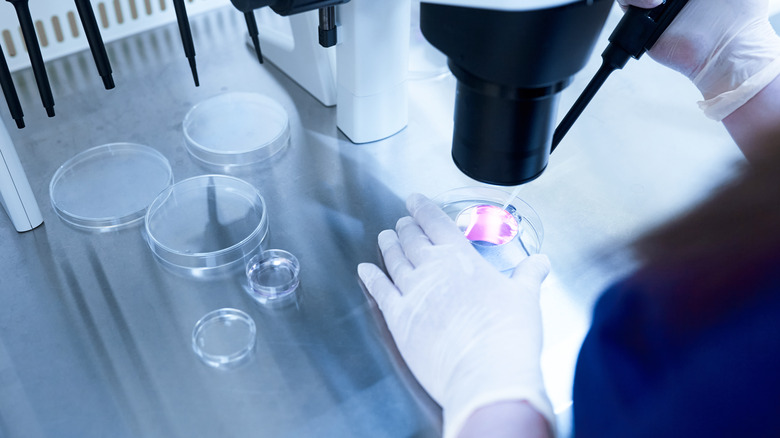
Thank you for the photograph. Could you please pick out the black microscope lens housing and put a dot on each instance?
(510, 68)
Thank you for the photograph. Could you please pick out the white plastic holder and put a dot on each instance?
(15, 192)
(372, 60)
(291, 44)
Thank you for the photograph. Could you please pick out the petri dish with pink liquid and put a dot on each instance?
(502, 227)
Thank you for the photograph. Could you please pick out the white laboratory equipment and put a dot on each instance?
(364, 75)
(15, 192)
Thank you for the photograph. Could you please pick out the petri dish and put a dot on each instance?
(224, 338)
(502, 227)
(273, 274)
(206, 226)
(235, 129)
(110, 186)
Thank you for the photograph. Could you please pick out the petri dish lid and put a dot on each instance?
(235, 129)
(206, 225)
(224, 338)
(109, 186)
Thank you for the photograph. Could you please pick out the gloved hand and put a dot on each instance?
(470, 335)
(727, 48)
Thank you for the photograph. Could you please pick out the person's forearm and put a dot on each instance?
(755, 125)
(510, 419)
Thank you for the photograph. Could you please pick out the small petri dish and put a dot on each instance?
(502, 227)
(236, 129)
(224, 338)
(206, 226)
(109, 187)
(273, 274)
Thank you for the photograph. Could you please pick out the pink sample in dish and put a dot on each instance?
(488, 224)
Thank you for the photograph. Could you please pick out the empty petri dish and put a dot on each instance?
(273, 274)
(110, 186)
(502, 227)
(235, 129)
(207, 225)
(224, 338)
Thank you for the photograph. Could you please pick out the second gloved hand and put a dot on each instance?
(470, 335)
(728, 48)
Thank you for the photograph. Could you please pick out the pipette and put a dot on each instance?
(251, 26)
(91, 30)
(9, 91)
(636, 33)
(34, 50)
(186, 37)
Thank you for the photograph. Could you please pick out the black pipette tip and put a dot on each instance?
(108, 81)
(96, 46)
(186, 37)
(34, 51)
(194, 69)
(258, 52)
(251, 26)
(9, 91)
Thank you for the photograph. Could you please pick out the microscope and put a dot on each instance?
(511, 59)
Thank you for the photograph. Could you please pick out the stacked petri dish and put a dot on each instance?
(206, 226)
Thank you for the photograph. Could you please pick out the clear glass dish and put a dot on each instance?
(207, 225)
(236, 129)
(503, 228)
(109, 187)
(273, 274)
(224, 338)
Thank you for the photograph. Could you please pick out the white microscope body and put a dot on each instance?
(366, 75)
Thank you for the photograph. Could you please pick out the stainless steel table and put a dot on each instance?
(95, 335)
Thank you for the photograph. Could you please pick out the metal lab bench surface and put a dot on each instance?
(95, 335)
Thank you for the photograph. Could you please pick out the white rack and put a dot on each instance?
(59, 28)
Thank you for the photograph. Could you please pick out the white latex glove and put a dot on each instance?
(727, 48)
(470, 335)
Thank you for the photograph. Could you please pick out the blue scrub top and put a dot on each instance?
(686, 352)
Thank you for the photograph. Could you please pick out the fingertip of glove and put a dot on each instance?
(536, 266)
(385, 238)
(367, 273)
(541, 260)
(404, 221)
(363, 269)
(415, 201)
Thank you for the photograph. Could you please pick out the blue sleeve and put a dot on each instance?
(638, 377)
